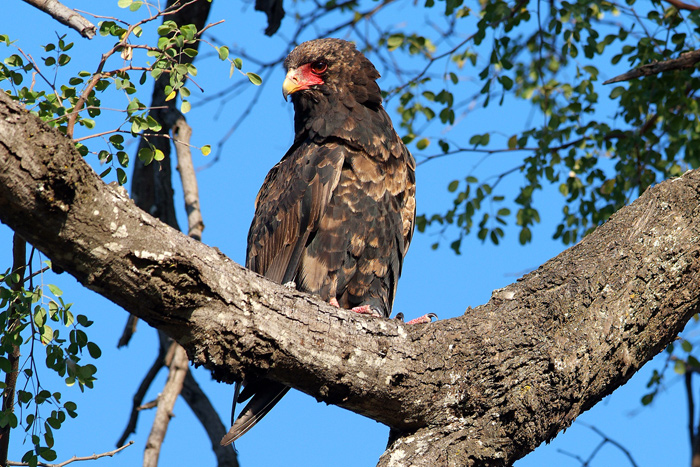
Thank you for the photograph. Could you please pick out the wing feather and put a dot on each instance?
(289, 208)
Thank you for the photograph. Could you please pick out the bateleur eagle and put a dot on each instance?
(335, 216)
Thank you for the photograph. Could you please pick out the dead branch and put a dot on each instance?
(65, 15)
(76, 458)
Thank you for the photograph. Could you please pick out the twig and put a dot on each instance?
(75, 458)
(597, 449)
(65, 15)
(684, 61)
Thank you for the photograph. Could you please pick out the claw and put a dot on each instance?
(424, 319)
(334, 302)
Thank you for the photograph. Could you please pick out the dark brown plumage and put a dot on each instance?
(336, 214)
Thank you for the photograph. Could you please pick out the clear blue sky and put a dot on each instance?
(300, 431)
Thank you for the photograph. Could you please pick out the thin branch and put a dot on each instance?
(684, 61)
(206, 414)
(19, 265)
(166, 403)
(605, 441)
(691, 405)
(76, 458)
(181, 135)
(141, 393)
(682, 5)
(65, 15)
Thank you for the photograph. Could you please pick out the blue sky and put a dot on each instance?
(300, 431)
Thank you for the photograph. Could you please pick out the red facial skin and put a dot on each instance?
(303, 77)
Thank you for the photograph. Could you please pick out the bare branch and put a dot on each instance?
(65, 15)
(682, 5)
(181, 135)
(19, 266)
(76, 458)
(684, 61)
(210, 420)
(143, 388)
(166, 403)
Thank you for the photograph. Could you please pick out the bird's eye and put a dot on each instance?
(319, 67)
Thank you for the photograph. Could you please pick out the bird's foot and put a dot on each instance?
(367, 310)
(334, 302)
(420, 320)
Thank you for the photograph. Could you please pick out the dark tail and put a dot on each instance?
(266, 396)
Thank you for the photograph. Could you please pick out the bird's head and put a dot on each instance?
(333, 68)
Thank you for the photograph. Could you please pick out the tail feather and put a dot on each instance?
(262, 402)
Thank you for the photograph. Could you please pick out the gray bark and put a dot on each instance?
(485, 388)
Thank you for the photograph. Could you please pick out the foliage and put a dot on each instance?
(29, 318)
(552, 56)
(32, 317)
(75, 100)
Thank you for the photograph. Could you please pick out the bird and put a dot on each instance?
(335, 216)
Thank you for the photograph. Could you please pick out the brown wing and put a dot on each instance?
(289, 206)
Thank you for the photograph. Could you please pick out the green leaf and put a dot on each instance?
(124, 3)
(206, 150)
(55, 290)
(223, 52)
(679, 367)
(121, 176)
(185, 107)
(255, 79)
(422, 143)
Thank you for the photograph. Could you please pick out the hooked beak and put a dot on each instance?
(293, 82)
(299, 79)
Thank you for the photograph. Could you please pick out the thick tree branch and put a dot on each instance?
(65, 15)
(482, 389)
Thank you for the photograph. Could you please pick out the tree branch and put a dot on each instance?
(65, 15)
(684, 61)
(178, 364)
(484, 388)
(19, 266)
(76, 458)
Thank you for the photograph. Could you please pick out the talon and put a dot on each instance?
(424, 319)
(367, 310)
(334, 302)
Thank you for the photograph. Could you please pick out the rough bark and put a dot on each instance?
(482, 389)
